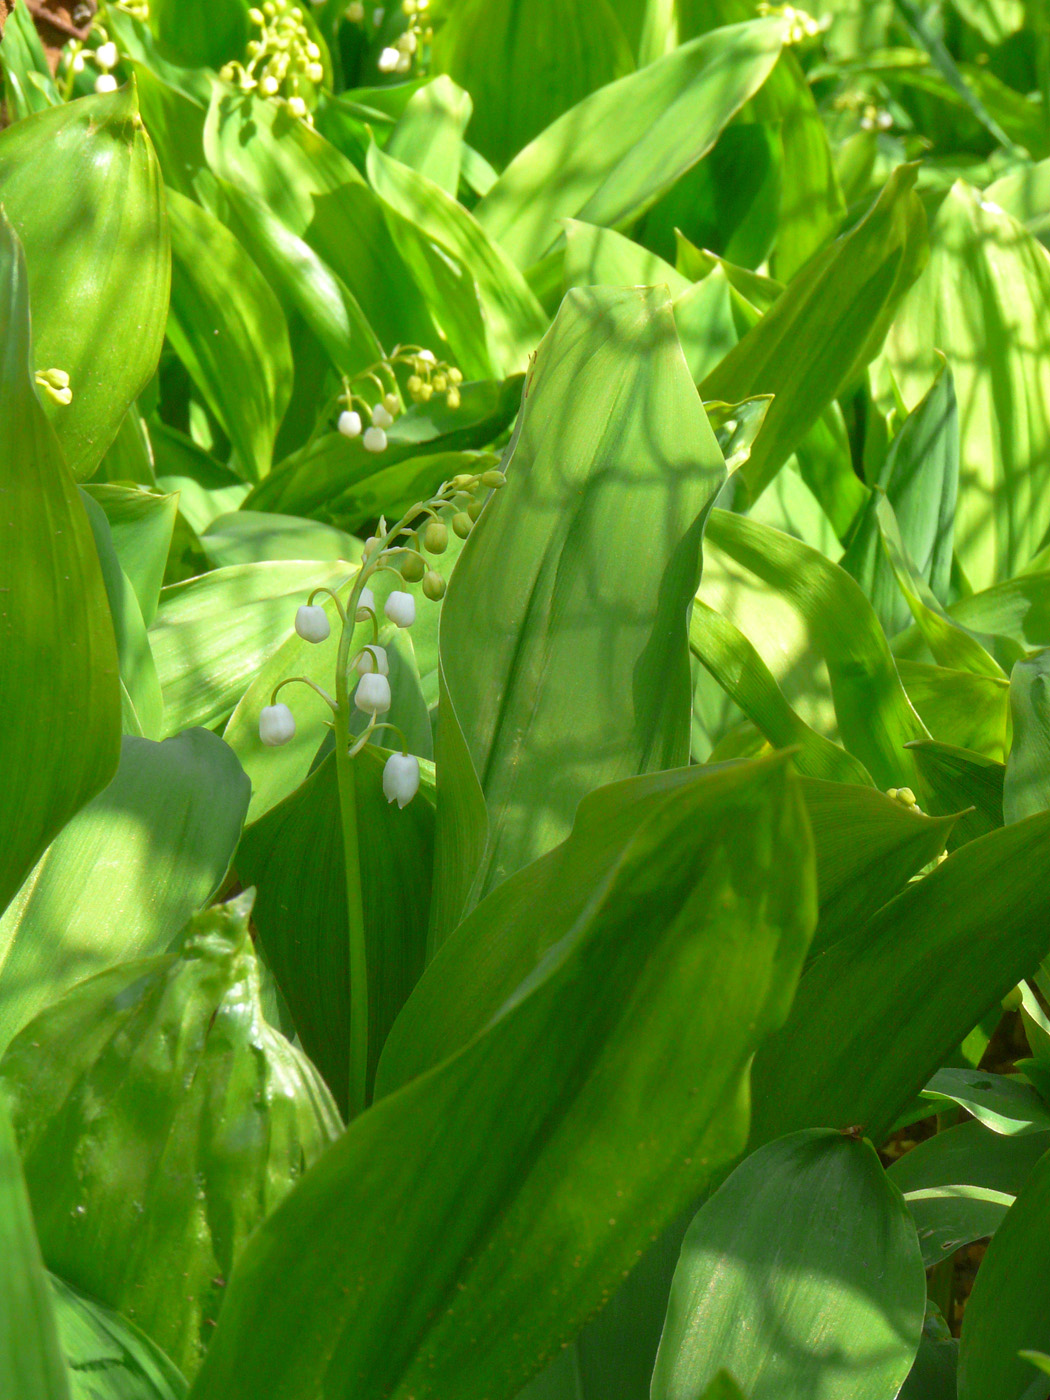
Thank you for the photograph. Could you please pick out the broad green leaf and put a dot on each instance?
(744, 676)
(514, 320)
(920, 476)
(970, 1154)
(213, 633)
(228, 329)
(749, 569)
(975, 301)
(504, 1243)
(175, 124)
(59, 689)
(83, 191)
(160, 1119)
(295, 856)
(960, 708)
(28, 84)
(141, 524)
(140, 685)
(253, 537)
(826, 326)
(1017, 610)
(1004, 1105)
(609, 157)
(1026, 786)
(612, 458)
(788, 505)
(129, 457)
(126, 873)
(31, 1363)
(308, 482)
(109, 1358)
(898, 993)
(1009, 1306)
(959, 779)
(491, 48)
(428, 135)
(200, 33)
(837, 1310)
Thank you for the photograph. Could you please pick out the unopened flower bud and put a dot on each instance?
(475, 508)
(392, 404)
(377, 15)
(400, 608)
(435, 537)
(455, 375)
(256, 16)
(368, 662)
(374, 440)
(400, 778)
(493, 478)
(440, 383)
(350, 423)
(433, 586)
(78, 63)
(268, 85)
(312, 51)
(411, 568)
(462, 481)
(373, 694)
(387, 61)
(105, 82)
(462, 524)
(106, 55)
(315, 72)
(452, 398)
(276, 725)
(426, 392)
(312, 623)
(355, 12)
(414, 385)
(427, 356)
(380, 417)
(297, 107)
(366, 600)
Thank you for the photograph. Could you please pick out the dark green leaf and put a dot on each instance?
(108, 1358)
(201, 33)
(958, 779)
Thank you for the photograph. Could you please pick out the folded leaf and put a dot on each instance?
(108, 1358)
(1026, 785)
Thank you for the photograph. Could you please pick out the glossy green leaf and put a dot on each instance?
(174, 121)
(976, 302)
(228, 329)
(201, 33)
(295, 855)
(126, 873)
(428, 135)
(883, 1019)
(920, 476)
(1026, 786)
(960, 708)
(767, 584)
(141, 524)
(612, 457)
(109, 1358)
(970, 1154)
(530, 1131)
(31, 1363)
(1008, 1308)
(213, 633)
(83, 191)
(129, 457)
(253, 537)
(828, 324)
(160, 1119)
(1004, 1105)
(490, 47)
(514, 320)
(801, 1276)
(609, 157)
(958, 779)
(59, 688)
(28, 84)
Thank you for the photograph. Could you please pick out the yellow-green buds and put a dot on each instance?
(462, 524)
(452, 398)
(455, 376)
(474, 508)
(392, 404)
(435, 537)
(296, 107)
(355, 12)
(373, 694)
(411, 568)
(494, 479)
(433, 586)
(276, 725)
(414, 385)
(55, 384)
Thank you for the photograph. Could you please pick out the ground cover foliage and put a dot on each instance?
(525, 677)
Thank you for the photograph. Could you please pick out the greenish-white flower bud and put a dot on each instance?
(312, 623)
(374, 439)
(411, 568)
(435, 537)
(452, 397)
(105, 82)
(433, 586)
(387, 61)
(474, 508)
(366, 600)
(297, 107)
(106, 55)
(276, 725)
(392, 404)
(380, 417)
(494, 479)
(462, 524)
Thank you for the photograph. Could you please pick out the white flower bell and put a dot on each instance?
(366, 600)
(367, 662)
(276, 725)
(312, 624)
(373, 694)
(380, 417)
(349, 423)
(374, 440)
(106, 55)
(105, 82)
(400, 608)
(388, 60)
(400, 778)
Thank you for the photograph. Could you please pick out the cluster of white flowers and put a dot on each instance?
(284, 62)
(400, 550)
(429, 376)
(801, 24)
(875, 118)
(409, 45)
(105, 57)
(55, 384)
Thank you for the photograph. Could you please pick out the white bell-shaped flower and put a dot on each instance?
(373, 694)
(349, 423)
(380, 417)
(106, 55)
(105, 82)
(387, 62)
(400, 608)
(367, 662)
(312, 624)
(276, 725)
(400, 778)
(366, 600)
(374, 440)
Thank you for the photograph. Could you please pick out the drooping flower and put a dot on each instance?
(366, 600)
(373, 694)
(400, 778)
(374, 440)
(400, 608)
(312, 624)
(106, 55)
(105, 82)
(350, 423)
(373, 659)
(276, 725)
(380, 417)
(388, 60)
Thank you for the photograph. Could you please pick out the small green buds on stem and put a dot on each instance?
(435, 537)
(283, 61)
(433, 586)
(55, 384)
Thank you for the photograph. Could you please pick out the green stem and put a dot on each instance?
(344, 765)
